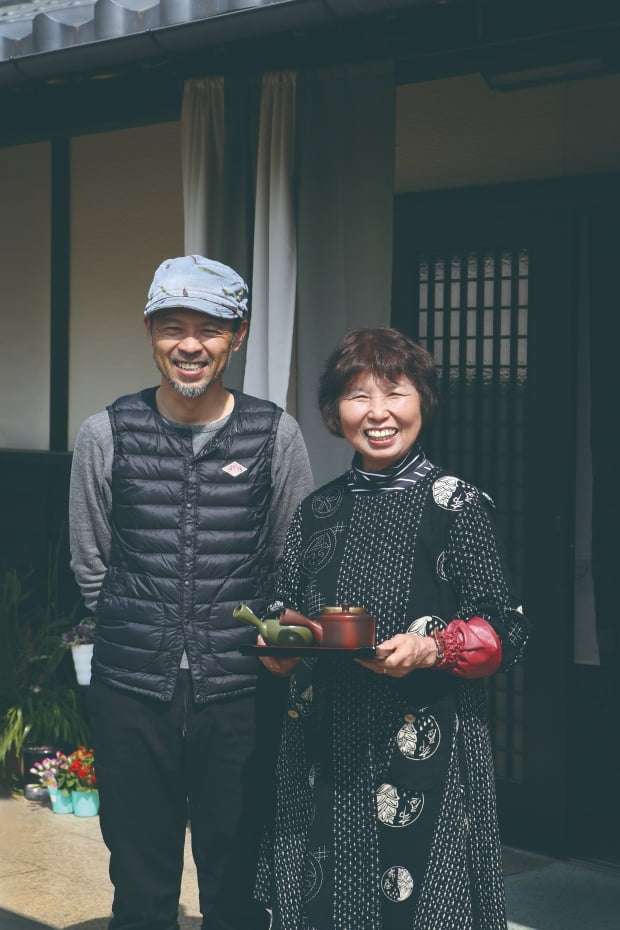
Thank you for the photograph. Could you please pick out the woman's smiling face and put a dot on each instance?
(380, 419)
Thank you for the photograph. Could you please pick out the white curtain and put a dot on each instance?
(219, 124)
(274, 274)
(202, 159)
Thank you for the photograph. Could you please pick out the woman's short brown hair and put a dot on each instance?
(387, 355)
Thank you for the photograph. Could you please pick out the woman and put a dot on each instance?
(385, 814)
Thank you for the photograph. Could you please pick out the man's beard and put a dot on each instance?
(190, 390)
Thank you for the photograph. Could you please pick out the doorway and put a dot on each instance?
(489, 281)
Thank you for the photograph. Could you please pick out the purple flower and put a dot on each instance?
(51, 772)
(82, 632)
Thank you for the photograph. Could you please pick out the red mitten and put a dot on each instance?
(469, 649)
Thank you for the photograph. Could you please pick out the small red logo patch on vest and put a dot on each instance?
(234, 469)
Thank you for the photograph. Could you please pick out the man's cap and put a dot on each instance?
(196, 283)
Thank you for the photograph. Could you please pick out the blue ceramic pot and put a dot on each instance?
(85, 803)
(61, 803)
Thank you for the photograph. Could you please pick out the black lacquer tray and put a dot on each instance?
(290, 652)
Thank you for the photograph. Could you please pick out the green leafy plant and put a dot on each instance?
(38, 699)
(41, 715)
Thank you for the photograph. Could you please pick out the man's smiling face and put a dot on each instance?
(191, 349)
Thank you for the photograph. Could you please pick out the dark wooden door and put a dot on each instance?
(487, 281)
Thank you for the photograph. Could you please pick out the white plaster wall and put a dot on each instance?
(25, 296)
(459, 133)
(127, 217)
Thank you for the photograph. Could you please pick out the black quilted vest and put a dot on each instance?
(190, 539)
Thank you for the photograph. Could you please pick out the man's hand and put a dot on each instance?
(282, 668)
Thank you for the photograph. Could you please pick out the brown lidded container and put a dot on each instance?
(347, 627)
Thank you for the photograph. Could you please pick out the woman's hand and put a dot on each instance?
(401, 654)
(282, 668)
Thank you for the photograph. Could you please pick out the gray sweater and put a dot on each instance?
(90, 497)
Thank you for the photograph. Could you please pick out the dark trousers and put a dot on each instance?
(159, 764)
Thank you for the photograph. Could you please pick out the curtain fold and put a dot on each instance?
(345, 215)
(202, 160)
(219, 130)
(274, 275)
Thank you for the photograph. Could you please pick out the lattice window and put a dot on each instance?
(472, 316)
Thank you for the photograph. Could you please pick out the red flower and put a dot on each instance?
(82, 768)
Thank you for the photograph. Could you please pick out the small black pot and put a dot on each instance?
(32, 754)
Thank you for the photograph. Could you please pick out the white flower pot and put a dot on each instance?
(82, 658)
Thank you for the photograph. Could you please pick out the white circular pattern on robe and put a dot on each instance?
(441, 566)
(419, 739)
(424, 626)
(320, 550)
(419, 626)
(452, 493)
(398, 808)
(327, 503)
(397, 883)
(313, 877)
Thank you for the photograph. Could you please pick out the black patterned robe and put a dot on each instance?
(385, 813)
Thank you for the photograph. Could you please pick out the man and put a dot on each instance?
(180, 498)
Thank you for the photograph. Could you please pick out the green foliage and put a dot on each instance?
(49, 715)
(39, 700)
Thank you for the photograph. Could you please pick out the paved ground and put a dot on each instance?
(53, 876)
(54, 871)
(548, 894)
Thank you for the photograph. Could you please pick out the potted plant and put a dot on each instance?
(82, 780)
(53, 774)
(80, 640)
(40, 706)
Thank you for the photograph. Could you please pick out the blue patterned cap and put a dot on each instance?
(196, 283)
